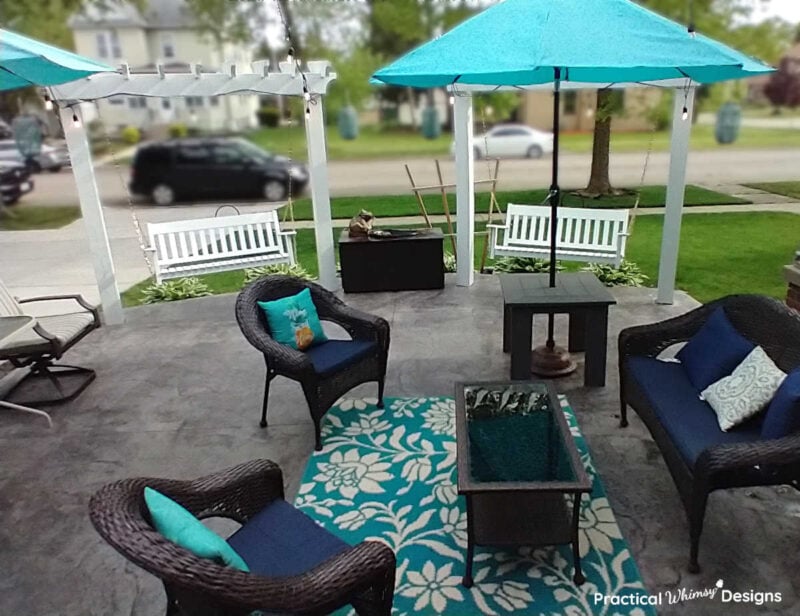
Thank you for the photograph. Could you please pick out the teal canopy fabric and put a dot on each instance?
(522, 42)
(25, 61)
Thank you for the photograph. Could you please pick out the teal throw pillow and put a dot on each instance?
(179, 526)
(293, 321)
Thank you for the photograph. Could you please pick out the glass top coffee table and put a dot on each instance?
(518, 468)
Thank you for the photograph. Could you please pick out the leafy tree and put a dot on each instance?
(720, 19)
(783, 88)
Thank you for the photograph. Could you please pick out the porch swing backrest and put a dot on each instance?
(584, 234)
(205, 245)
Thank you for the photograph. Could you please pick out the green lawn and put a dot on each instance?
(406, 205)
(373, 142)
(787, 189)
(720, 254)
(32, 217)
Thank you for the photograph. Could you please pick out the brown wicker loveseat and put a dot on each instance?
(338, 575)
(677, 420)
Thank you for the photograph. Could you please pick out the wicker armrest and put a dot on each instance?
(237, 493)
(359, 324)
(763, 454)
(318, 591)
(649, 340)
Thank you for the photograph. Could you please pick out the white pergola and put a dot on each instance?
(679, 150)
(287, 80)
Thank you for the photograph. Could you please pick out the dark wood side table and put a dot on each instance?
(579, 294)
(408, 263)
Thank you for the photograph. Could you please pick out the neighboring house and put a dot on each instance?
(578, 109)
(165, 33)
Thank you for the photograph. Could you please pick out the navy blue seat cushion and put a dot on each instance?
(783, 413)
(281, 540)
(714, 351)
(690, 422)
(333, 355)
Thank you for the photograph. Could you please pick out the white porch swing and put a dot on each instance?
(290, 79)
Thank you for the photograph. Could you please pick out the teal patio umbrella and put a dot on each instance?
(27, 62)
(548, 42)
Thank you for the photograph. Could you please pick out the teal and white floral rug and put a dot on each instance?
(390, 475)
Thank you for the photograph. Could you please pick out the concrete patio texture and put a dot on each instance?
(178, 394)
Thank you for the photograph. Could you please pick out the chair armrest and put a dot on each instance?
(493, 226)
(289, 232)
(649, 340)
(360, 325)
(237, 493)
(322, 589)
(77, 298)
(763, 454)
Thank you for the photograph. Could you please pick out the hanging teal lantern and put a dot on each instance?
(431, 127)
(729, 119)
(348, 122)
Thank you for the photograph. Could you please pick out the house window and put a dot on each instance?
(570, 103)
(167, 45)
(108, 44)
(137, 102)
(102, 44)
(116, 100)
(194, 101)
(616, 102)
(213, 101)
(116, 49)
(166, 103)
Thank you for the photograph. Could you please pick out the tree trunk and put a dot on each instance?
(412, 105)
(599, 182)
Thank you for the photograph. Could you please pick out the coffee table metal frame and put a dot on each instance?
(493, 508)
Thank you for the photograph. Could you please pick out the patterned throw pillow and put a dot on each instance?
(294, 321)
(746, 391)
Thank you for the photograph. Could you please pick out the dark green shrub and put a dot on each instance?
(269, 116)
(627, 275)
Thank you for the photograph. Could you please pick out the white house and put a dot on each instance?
(164, 32)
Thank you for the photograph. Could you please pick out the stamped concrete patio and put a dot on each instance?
(178, 394)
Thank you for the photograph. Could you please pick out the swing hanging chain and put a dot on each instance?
(134, 216)
(647, 155)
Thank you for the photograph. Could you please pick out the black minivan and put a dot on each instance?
(208, 168)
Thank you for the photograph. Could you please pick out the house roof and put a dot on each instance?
(159, 14)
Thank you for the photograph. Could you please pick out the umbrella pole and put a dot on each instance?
(550, 360)
(554, 197)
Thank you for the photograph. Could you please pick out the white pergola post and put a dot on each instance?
(676, 188)
(92, 211)
(320, 195)
(465, 190)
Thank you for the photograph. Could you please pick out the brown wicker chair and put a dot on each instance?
(765, 322)
(362, 576)
(321, 390)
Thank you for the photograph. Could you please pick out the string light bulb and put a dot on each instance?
(685, 115)
(290, 55)
(75, 120)
(306, 96)
(452, 100)
(48, 103)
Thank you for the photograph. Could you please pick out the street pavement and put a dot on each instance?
(58, 261)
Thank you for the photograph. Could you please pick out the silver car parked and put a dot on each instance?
(49, 159)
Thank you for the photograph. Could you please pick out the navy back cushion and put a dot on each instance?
(714, 351)
(783, 413)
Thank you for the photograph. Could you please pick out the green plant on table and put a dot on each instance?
(523, 265)
(628, 274)
(254, 273)
(174, 290)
